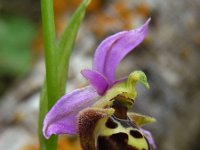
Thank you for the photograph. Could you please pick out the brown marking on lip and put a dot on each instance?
(111, 124)
(118, 141)
(136, 134)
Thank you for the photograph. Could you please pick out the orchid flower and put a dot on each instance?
(80, 111)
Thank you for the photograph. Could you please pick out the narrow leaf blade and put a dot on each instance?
(67, 40)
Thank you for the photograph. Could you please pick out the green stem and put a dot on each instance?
(50, 91)
(50, 50)
(51, 143)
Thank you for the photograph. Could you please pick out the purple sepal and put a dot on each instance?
(114, 48)
(62, 118)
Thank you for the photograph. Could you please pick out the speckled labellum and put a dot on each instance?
(103, 132)
(113, 128)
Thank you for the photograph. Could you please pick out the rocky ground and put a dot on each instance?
(169, 56)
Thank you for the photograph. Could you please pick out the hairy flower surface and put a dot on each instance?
(102, 92)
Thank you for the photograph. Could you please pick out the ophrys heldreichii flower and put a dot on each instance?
(99, 112)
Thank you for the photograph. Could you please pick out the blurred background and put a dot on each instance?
(169, 56)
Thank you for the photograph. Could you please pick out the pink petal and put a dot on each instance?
(98, 81)
(61, 119)
(114, 48)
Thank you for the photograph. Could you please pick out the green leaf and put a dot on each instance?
(67, 40)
